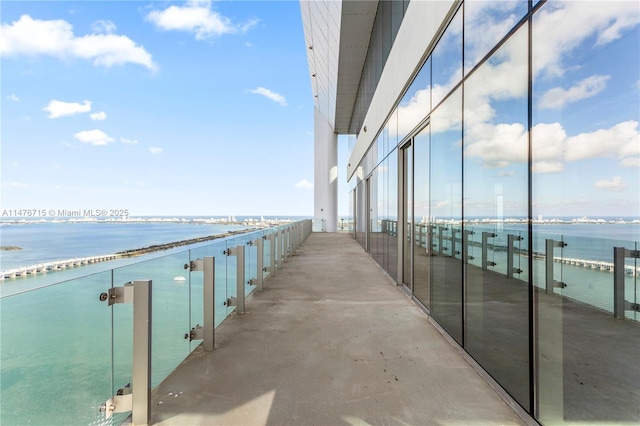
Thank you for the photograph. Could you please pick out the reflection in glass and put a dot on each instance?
(496, 187)
(485, 24)
(415, 105)
(372, 183)
(393, 214)
(447, 61)
(392, 125)
(446, 211)
(422, 246)
(384, 197)
(585, 163)
(361, 221)
(407, 208)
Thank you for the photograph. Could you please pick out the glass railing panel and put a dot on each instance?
(56, 354)
(216, 251)
(250, 259)
(170, 309)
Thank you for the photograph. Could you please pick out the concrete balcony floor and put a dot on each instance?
(330, 341)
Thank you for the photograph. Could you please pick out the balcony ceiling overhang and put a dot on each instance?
(337, 35)
(355, 33)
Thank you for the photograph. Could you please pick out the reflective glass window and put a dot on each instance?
(447, 60)
(486, 23)
(422, 245)
(415, 105)
(393, 214)
(446, 214)
(585, 172)
(496, 186)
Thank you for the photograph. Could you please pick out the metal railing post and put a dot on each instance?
(454, 239)
(286, 244)
(239, 280)
(135, 396)
(260, 266)
(550, 283)
(274, 252)
(510, 252)
(141, 376)
(441, 230)
(620, 304)
(206, 332)
(465, 246)
(485, 250)
(294, 239)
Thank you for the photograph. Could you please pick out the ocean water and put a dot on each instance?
(44, 242)
(64, 352)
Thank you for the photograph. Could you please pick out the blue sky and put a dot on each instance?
(161, 108)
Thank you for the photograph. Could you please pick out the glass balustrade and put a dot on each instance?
(66, 351)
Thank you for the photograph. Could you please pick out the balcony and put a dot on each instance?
(331, 340)
(259, 328)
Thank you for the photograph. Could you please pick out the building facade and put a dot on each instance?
(496, 167)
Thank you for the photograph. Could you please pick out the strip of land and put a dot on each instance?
(167, 246)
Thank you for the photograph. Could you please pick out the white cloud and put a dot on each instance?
(13, 98)
(32, 37)
(129, 141)
(94, 137)
(57, 109)
(504, 144)
(558, 97)
(615, 184)
(275, 97)
(155, 150)
(304, 184)
(562, 25)
(619, 141)
(103, 27)
(198, 18)
(98, 116)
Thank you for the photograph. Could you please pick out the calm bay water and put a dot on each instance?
(45, 242)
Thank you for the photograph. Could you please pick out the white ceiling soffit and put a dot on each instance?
(357, 23)
(321, 23)
(337, 37)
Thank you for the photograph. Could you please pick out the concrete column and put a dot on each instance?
(325, 179)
